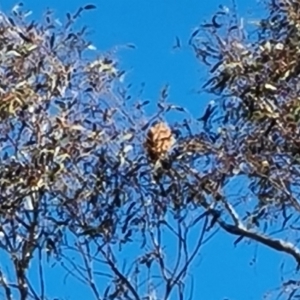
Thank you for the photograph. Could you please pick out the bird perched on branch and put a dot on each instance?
(159, 141)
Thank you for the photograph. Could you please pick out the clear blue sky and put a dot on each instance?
(221, 270)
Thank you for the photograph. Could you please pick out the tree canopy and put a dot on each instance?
(85, 170)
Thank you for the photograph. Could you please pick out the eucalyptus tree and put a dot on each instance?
(94, 186)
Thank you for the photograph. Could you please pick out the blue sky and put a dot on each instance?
(221, 270)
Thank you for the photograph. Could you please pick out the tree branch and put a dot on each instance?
(276, 244)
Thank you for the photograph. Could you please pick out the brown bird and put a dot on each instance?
(159, 141)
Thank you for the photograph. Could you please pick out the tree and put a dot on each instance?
(255, 124)
(87, 175)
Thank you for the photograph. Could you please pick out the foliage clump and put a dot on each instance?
(255, 78)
